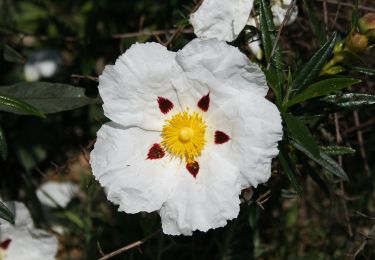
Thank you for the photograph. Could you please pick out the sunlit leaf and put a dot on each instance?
(322, 88)
(364, 70)
(337, 150)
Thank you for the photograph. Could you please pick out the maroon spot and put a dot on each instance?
(204, 102)
(165, 105)
(193, 168)
(221, 137)
(155, 152)
(4, 245)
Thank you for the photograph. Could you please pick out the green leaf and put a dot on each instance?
(348, 101)
(337, 150)
(322, 88)
(323, 160)
(12, 55)
(274, 73)
(10, 104)
(301, 133)
(49, 97)
(364, 70)
(5, 213)
(3, 146)
(287, 166)
(312, 68)
(355, 15)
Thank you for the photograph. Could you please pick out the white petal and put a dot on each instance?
(255, 48)
(131, 87)
(47, 68)
(221, 19)
(279, 11)
(254, 126)
(31, 73)
(53, 194)
(203, 203)
(119, 162)
(221, 67)
(26, 242)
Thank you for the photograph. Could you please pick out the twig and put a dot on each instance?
(150, 33)
(361, 126)
(361, 143)
(362, 7)
(76, 76)
(263, 199)
(325, 12)
(130, 246)
(342, 187)
(364, 243)
(286, 19)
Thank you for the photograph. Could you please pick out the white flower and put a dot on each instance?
(225, 19)
(279, 10)
(56, 194)
(221, 19)
(189, 130)
(21, 241)
(42, 64)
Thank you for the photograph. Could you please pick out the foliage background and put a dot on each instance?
(330, 221)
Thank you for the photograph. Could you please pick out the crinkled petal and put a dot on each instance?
(119, 162)
(205, 202)
(53, 194)
(221, 19)
(26, 242)
(254, 126)
(130, 88)
(221, 68)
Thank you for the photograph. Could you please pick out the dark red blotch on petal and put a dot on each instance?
(193, 168)
(4, 245)
(155, 152)
(221, 137)
(165, 105)
(204, 102)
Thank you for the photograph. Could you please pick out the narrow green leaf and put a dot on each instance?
(3, 145)
(364, 70)
(274, 73)
(5, 213)
(322, 88)
(323, 160)
(355, 15)
(348, 101)
(287, 166)
(312, 68)
(337, 150)
(10, 104)
(49, 97)
(12, 55)
(301, 133)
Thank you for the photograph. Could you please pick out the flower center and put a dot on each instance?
(184, 135)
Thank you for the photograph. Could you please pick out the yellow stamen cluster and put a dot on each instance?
(184, 135)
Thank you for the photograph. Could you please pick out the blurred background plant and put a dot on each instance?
(319, 204)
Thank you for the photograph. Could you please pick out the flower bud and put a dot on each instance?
(367, 22)
(356, 42)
